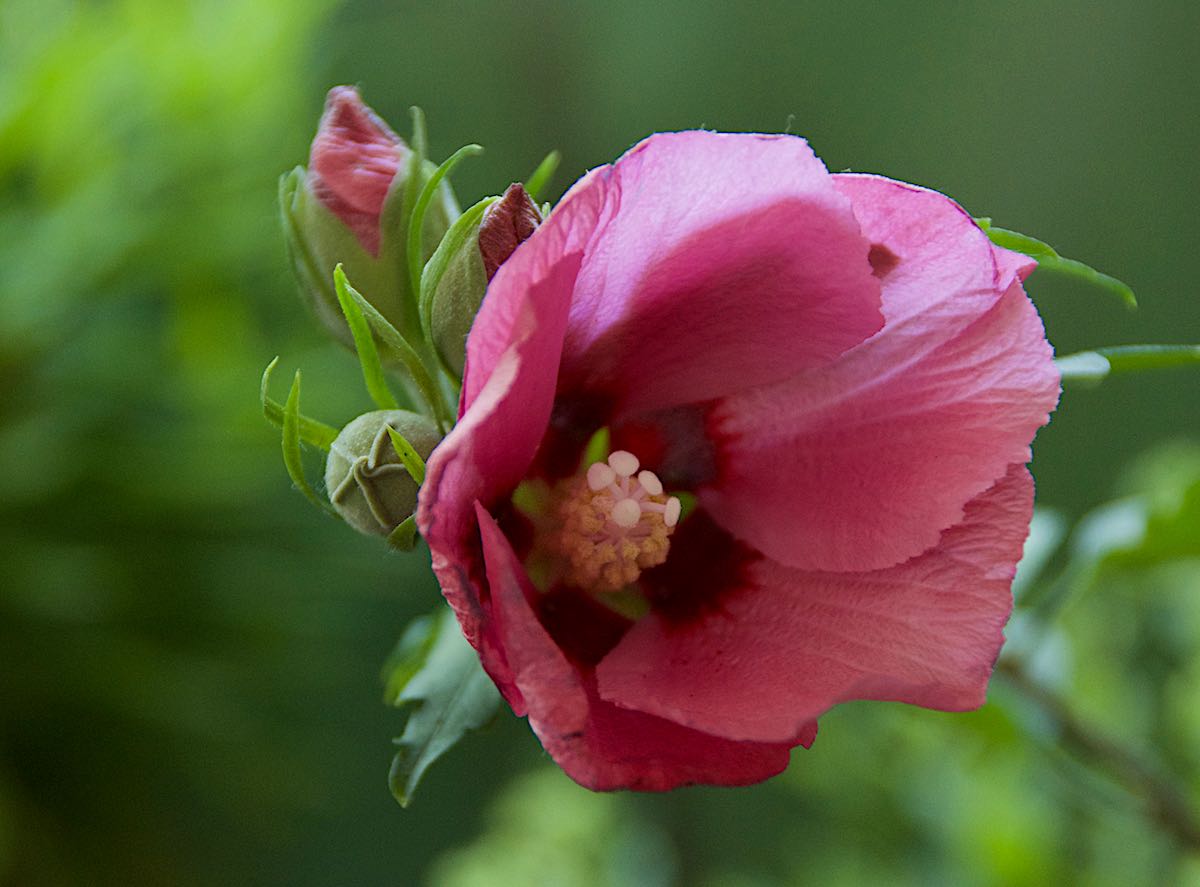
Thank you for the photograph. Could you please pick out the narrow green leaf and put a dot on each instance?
(393, 340)
(420, 141)
(1096, 365)
(404, 537)
(452, 694)
(419, 145)
(291, 445)
(540, 177)
(454, 240)
(409, 655)
(364, 343)
(1049, 260)
(416, 223)
(409, 458)
(318, 434)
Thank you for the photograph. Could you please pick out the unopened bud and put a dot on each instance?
(352, 206)
(503, 227)
(368, 484)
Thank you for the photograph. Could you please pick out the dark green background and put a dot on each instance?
(189, 653)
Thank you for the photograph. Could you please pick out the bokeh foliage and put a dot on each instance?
(191, 654)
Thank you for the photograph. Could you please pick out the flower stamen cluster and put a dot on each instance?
(614, 522)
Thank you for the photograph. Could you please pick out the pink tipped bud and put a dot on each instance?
(506, 225)
(355, 156)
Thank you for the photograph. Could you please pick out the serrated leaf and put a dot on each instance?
(416, 224)
(1096, 365)
(1049, 259)
(409, 458)
(291, 445)
(364, 342)
(540, 177)
(318, 434)
(452, 694)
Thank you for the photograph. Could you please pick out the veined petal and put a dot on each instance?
(599, 745)
(862, 464)
(728, 260)
(786, 645)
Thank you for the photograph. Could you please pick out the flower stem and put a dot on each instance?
(1165, 804)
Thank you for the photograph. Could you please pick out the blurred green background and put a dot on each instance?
(190, 654)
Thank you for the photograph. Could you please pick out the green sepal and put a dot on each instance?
(540, 177)
(465, 228)
(1092, 367)
(404, 537)
(291, 447)
(1048, 259)
(452, 695)
(399, 347)
(364, 342)
(409, 458)
(318, 434)
(416, 222)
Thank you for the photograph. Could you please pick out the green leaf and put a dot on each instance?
(416, 224)
(409, 458)
(541, 176)
(1049, 260)
(408, 656)
(364, 342)
(1156, 525)
(291, 446)
(452, 694)
(318, 434)
(1096, 365)
(431, 276)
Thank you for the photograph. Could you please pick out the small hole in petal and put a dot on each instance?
(883, 260)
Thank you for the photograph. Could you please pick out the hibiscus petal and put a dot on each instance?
(862, 464)
(789, 644)
(599, 745)
(728, 261)
(513, 355)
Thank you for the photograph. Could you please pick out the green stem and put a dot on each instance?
(1165, 803)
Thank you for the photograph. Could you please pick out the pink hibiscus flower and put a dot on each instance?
(845, 374)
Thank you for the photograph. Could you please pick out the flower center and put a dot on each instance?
(614, 522)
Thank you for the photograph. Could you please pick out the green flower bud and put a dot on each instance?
(352, 205)
(368, 484)
(456, 300)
